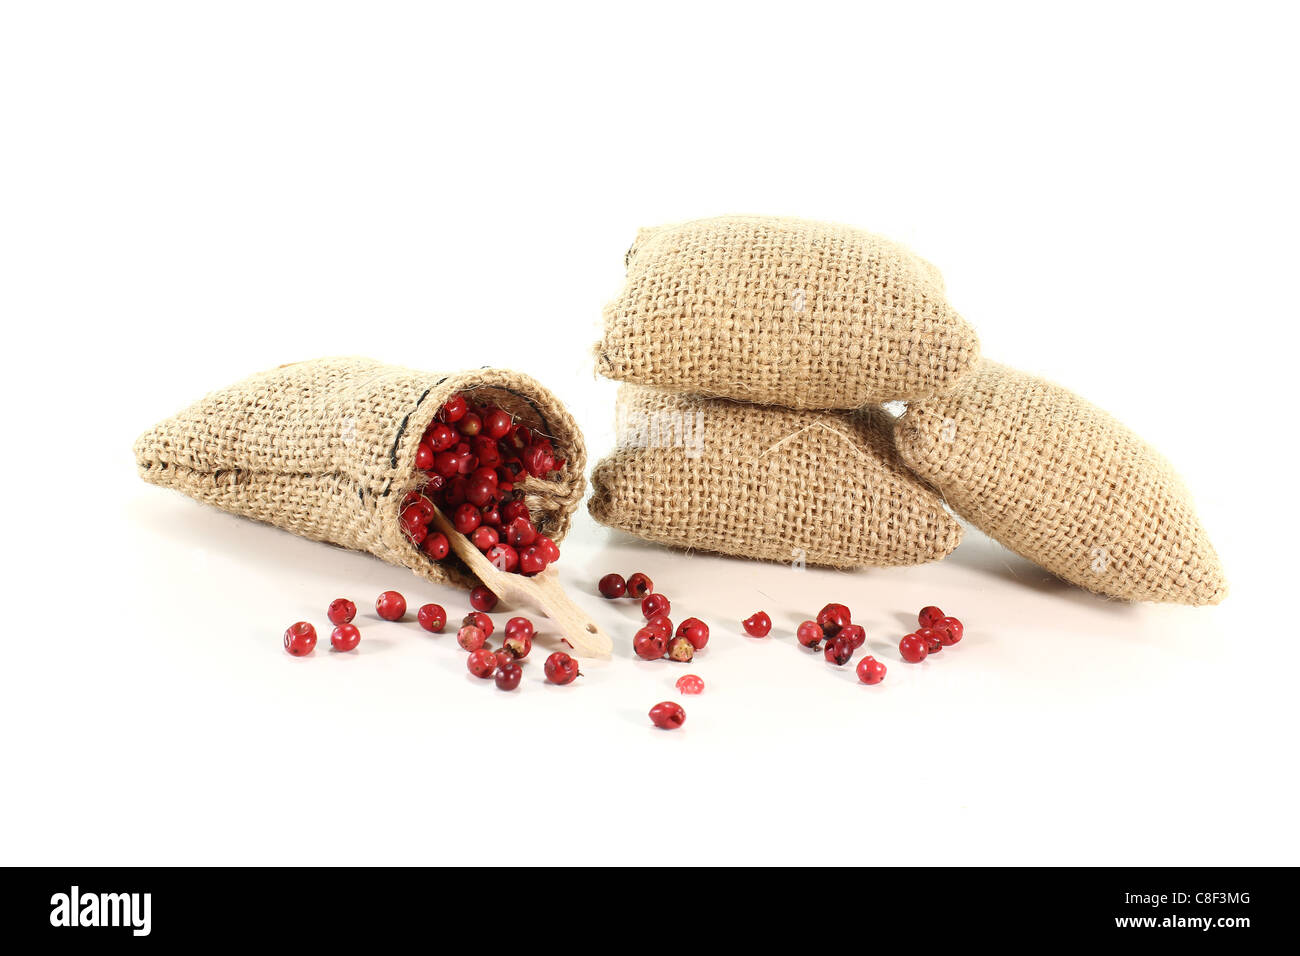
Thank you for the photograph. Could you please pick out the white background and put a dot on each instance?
(193, 192)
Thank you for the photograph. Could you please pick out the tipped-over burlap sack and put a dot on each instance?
(326, 449)
(759, 481)
(1062, 483)
(784, 312)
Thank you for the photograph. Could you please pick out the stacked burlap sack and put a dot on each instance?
(757, 353)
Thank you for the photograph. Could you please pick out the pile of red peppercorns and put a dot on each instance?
(473, 457)
(503, 664)
(656, 640)
(936, 632)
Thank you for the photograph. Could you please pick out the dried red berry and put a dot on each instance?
(856, 634)
(810, 634)
(695, 631)
(870, 670)
(482, 663)
(669, 715)
(654, 605)
(471, 638)
(481, 599)
(690, 684)
(681, 649)
(757, 624)
(432, 617)
(612, 586)
(436, 546)
(833, 617)
(300, 639)
(454, 409)
(933, 645)
(481, 621)
(509, 675)
(561, 668)
(839, 650)
(341, 611)
(484, 537)
(638, 586)
(345, 637)
(929, 616)
(661, 623)
(949, 628)
(391, 606)
(649, 644)
(913, 649)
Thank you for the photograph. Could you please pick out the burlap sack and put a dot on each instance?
(783, 311)
(326, 449)
(760, 481)
(1064, 484)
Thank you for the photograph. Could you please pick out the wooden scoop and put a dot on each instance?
(541, 591)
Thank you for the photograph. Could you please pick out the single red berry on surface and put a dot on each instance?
(661, 623)
(839, 650)
(436, 546)
(929, 616)
(520, 625)
(423, 457)
(482, 599)
(432, 617)
(833, 617)
(471, 638)
(503, 656)
(810, 634)
(638, 586)
(481, 621)
(612, 586)
(345, 637)
(695, 631)
(870, 670)
(690, 684)
(300, 639)
(454, 409)
(484, 537)
(482, 662)
(341, 611)
(518, 643)
(655, 604)
(681, 649)
(856, 634)
(933, 645)
(913, 648)
(503, 557)
(561, 668)
(669, 715)
(649, 644)
(496, 423)
(757, 624)
(949, 630)
(391, 606)
(509, 675)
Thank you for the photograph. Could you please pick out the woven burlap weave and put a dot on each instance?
(326, 449)
(766, 482)
(1063, 484)
(785, 312)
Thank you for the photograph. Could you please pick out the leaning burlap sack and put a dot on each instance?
(784, 312)
(326, 449)
(1063, 484)
(760, 481)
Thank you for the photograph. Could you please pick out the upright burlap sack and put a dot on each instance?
(326, 449)
(760, 481)
(1062, 483)
(785, 312)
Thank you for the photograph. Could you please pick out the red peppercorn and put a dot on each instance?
(931, 637)
(436, 546)
(509, 675)
(466, 518)
(482, 599)
(655, 604)
(550, 550)
(440, 437)
(833, 617)
(949, 630)
(612, 586)
(520, 625)
(454, 409)
(561, 668)
(481, 621)
(300, 639)
(810, 634)
(520, 533)
(638, 586)
(423, 457)
(503, 656)
(432, 617)
(531, 561)
(669, 715)
(661, 623)
(484, 537)
(503, 557)
(341, 611)
(471, 638)
(690, 684)
(870, 670)
(839, 650)
(519, 644)
(757, 624)
(695, 631)
(681, 649)
(649, 644)
(856, 634)
(929, 616)
(513, 509)
(471, 424)
(482, 663)
(345, 637)
(913, 649)
(496, 423)
(391, 606)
